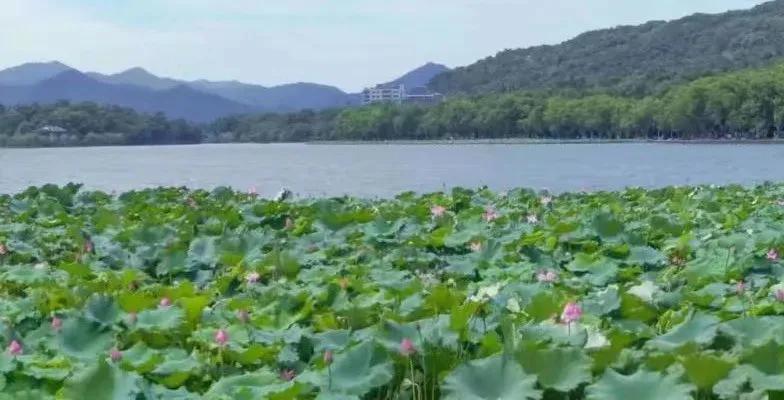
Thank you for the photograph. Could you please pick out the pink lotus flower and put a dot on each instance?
(57, 323)
(252, 277)
(243, 316)
(779, 295)
(437, 211)
(221, 337)
(252, 191)
(490, 215)
(115, 355)
(547, 276)
(740, 287)
(532, 219)
(328, 358)
(407, 347)
(571, 313)
(15, 348)
(3, 249)
(288, 374)
(546, 200)
(165, 302)
(772, 255)
(476, 246)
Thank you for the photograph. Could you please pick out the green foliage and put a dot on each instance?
(632, 59)
(253, 305)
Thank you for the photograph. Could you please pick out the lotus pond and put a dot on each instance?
(175, 294)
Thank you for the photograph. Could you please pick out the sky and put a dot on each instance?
(346, 43)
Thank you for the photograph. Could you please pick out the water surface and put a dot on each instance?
(385, 170)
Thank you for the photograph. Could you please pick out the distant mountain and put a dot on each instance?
(31, 73)
(138, 77)
(200, 100)
(283, 98)
(178, 102)
(420, 76)
(632, 59)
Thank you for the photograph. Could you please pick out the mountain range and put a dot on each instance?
(632, 60)
(198, 101)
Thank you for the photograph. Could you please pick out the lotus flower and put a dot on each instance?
(252, 277)
(288, 374)
(57, 323)
(132, 318)
(546, 200)
(779, 294)
(15, 348)
(115, 355)
(772, 255)
(3, 249)
(252, 191)
(165, 302)
(407, 347)
(571, 313)
(328, 358)
(88, 247)
(437, 211)
(740, 287)
(532, 219)
(547, 276)
(289, 224)
(476, 246)
(243, 316)
(780, 202)
(221, 337)
(490, 215)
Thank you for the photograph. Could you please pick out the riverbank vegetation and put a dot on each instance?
(741, 105)
(168, 293)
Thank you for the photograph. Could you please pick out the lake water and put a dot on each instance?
(385, 170)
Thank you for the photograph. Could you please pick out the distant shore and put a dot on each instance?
(521, 141)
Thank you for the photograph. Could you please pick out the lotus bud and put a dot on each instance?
(15, 348)
(165, 302)
(407, 347)
(57, 323)
(115, 355)
(221, 337)
(328, 358)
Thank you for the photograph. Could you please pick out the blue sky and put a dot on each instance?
(346, 43)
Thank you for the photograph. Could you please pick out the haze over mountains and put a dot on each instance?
(199, 101)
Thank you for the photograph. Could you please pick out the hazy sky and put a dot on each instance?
(346, 43)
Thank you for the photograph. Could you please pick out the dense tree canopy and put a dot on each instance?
(747, 104)
(632, 60)
(88, 124)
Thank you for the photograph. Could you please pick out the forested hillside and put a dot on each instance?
(632, 60)
(748, 104)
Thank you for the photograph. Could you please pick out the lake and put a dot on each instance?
(385, 170)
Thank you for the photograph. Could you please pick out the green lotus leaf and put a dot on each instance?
(607, 226)
(140, 358)
(360, 369)
(705, 370)
(645, 255)
(160, 319)
(700, 328)
(561, 369)
(102, 310)
(492, 378)
(246, 386)
(642, 385)
(102, 381)
(83, 339)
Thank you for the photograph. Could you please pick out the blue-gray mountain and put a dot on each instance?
(199, 101)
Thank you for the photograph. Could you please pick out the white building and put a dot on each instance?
(384, 94)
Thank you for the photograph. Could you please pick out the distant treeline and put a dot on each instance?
(747, 104)
(89, 124)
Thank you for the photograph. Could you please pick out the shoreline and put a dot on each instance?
(513, 141)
